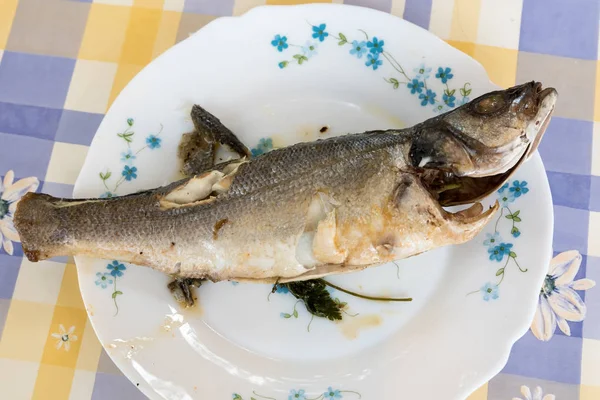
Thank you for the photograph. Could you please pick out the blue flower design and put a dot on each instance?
(319, 32)
(235, 283)
(103, 280)
(373, 61)
(444, 74)
(107, 195)
(127, 156)
(281, 289)
(422, 72)
(153, 141)
(463, 101)
(506, 198)
(498, 252)
(415, 86)
(263, 146)
(428, 97)
(492, 239)
(358, 48)
(518, 188)
(503, 188)
(116, 269)
(129, 172)
(283, 64)
(280, 42)
(375, 46)
(489, 291)
(332, 394)
(516, 233)
(310, 48)
(449, 100)
(297, 395)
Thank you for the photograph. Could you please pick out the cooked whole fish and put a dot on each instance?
(307, 210)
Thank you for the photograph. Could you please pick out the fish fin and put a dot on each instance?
(466, 224)
(40, 227)
(181, 289)
(198, 149)
(325, 246)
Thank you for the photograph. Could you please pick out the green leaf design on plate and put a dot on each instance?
(126, 136)
(300, 58)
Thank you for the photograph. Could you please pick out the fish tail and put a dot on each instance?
(40, 228)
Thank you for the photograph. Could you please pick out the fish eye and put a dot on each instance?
(490, 104)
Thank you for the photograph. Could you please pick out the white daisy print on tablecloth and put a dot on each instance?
(10, 193)
(559, 301)
(64, 337)
(537, 394)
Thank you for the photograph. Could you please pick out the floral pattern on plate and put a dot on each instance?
(105, 279)
(300, 394)
(373, 53)
(499, 249)
(129, 171)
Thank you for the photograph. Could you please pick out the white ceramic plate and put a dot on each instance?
(276, 76)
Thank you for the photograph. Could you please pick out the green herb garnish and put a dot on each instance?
(319, 302)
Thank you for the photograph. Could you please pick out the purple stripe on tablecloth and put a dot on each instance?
(562, 28)
(33, 121)
(418, 12)
(106, 365)
(591, 324)
(78, 127)
(595, 194)
(9, 270)
(57, 189)
(115, 387)
(24, 155)
(557, 360)
(570, 229)
(209, 7)
(508, 386)
(571, 190)
(4, 306)
(35, 80)
(381, 5)
(567, 146)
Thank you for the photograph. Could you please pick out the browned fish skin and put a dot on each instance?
(359, 200)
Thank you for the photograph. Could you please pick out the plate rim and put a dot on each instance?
(500, 362)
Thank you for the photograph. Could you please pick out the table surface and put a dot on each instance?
(62, 63)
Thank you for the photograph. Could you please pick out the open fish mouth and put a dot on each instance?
(451, 187)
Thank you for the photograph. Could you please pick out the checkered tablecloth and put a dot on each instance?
(62, 63)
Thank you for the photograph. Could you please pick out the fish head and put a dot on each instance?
(469, 152)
